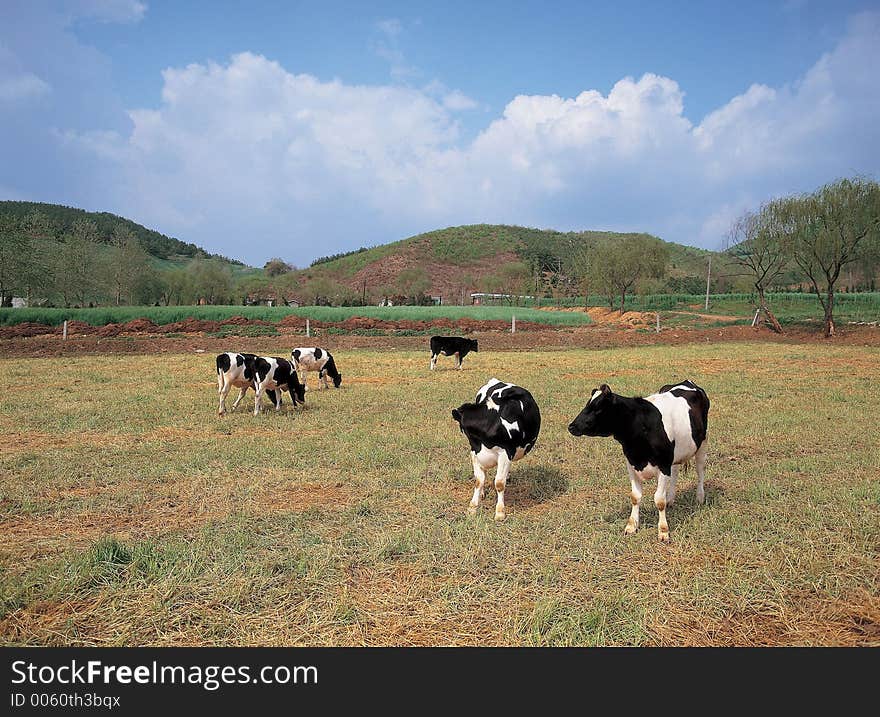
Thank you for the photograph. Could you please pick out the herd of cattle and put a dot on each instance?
(658, 433)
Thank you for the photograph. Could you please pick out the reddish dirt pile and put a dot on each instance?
(289, 324)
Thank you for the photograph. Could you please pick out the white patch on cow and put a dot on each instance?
(675, 413)
(596, 392)
(510, 427)
(488, 457)
(490, 404)
(521, 406)
(483, 392)
(682, 388)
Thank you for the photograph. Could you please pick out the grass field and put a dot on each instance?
(131, 514)
(170, 314)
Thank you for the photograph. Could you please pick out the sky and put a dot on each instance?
(302, 129)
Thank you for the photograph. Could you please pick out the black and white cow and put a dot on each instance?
(276, 374)
(658, 433)
(316, 359)
(235, 369)
(501, 426)
(451, 346)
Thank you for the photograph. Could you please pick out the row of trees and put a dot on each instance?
(810, 237)
(84, 268)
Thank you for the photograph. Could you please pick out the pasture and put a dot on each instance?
(130, 514)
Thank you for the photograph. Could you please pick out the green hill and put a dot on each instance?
(462, 258)
(56, 220)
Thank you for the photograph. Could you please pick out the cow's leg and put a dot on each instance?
(700, 463)
(223, 389)
(660, 501)
(500, 484)
(258, 401)
(670, 488)
(323, 377)
(433, 361)
(241, 392)
(632, 524)
(275, 396)
(479, 485)
(458, 356)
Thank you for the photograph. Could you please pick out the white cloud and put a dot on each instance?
(115, 11)
(253, 160)
(391, 27)
(24, 86)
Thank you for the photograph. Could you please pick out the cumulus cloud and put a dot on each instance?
(253, 160)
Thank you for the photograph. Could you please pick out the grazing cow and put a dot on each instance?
(501, 426)
(316, 359)
(234, 369)
(272, 373)
(658, 433)
(451, 346)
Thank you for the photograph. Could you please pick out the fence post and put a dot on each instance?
(308, 328)
(64, 331)
(658, 322)
(755, 320)
(513, 324)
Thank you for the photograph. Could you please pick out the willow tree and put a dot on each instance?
(830, 229)
(616, 264)
(759, 244)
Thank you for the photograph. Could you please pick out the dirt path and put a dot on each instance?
(590, 337)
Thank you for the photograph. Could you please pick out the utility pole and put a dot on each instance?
(708, 279)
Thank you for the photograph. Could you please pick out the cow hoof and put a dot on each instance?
(630, 528)
(472, 509)
(701, 498)
(663, 537)
(500, 515)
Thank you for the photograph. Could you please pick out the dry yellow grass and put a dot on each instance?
(131, 514)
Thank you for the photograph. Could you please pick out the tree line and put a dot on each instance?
(810, 237)
(82, 266)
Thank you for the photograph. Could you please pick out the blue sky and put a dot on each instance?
(290, 129)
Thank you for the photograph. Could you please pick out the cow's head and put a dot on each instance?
(597, 417)
(337, 380)
(299, 389)
(294, 355)
(474, 345)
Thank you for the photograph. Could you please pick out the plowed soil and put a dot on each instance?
(143, 337)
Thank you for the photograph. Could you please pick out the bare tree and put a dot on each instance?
(757, 243)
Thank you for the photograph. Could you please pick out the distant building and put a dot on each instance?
(19, 302)
(483, 298)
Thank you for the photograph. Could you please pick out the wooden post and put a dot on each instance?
(64, 331)
(308, 328)
(513, 324)
(658, 322)
(708, 279)
(755, 320)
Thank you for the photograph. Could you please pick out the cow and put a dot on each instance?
(236, 369)
(501, 426)
(316, 359)
(658, 434)
(272, 373)
(451, 346)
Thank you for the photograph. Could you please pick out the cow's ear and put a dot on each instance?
(604, 388)
(456, 415)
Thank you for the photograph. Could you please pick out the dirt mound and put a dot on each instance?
(26, 329)
(630, 319)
